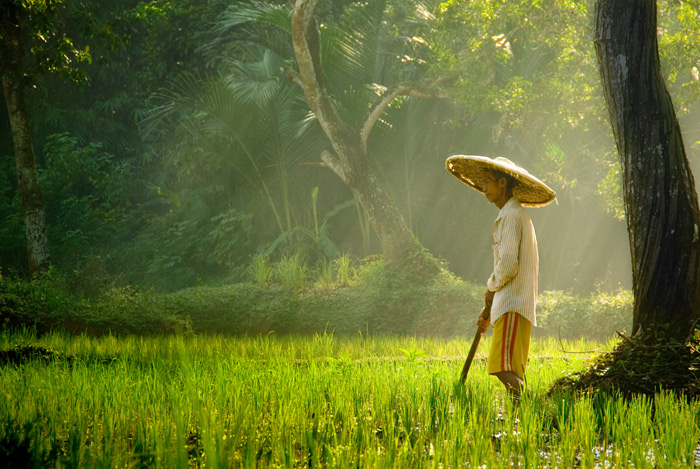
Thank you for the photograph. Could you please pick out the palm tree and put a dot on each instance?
(351, 71)
(250, 120)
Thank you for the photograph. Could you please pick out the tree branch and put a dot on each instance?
(307, 49)
(294, 76)
(335, 165)
(414, 90)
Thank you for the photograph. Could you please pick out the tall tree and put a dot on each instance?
(12, 52)
(662, 207)
(350, 161)
(32, 41)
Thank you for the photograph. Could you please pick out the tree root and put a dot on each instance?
(641, 365)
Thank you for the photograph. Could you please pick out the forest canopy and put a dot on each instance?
(175, 147)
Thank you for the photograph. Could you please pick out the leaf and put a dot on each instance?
(338, 208)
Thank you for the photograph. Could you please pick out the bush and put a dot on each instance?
(40, 304)
(45, 305)
(438, 308)
(595, 317)
(375, 300)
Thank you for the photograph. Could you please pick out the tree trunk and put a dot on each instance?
(350, 161)
(663, 218)
(388, 224)
(28, 186)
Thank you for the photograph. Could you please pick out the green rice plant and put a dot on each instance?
(640, 432)
(266, 401)
(584, 430)
(261, 271)
(528, 433)
(676, 430)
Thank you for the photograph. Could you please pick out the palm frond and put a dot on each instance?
(260, 23)
(354, 47)
(279, 16)
(257, 80)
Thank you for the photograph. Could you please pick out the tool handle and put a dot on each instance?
(470, 356)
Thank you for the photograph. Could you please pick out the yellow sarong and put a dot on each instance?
(511, 344)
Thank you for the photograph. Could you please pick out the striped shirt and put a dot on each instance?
(515, 263)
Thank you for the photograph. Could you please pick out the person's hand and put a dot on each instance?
(484, 320)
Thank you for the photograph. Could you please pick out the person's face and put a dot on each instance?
(495, 189)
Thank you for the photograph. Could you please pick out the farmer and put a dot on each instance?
(511, 292)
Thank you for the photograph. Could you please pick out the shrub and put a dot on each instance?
(595, 317)
(377, 300)
(39, 304)
(45, 305)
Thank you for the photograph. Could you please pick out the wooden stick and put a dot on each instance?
(470, 356)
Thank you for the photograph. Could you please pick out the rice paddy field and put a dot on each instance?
(323, 401)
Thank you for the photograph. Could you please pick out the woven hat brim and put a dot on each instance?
(470, 169)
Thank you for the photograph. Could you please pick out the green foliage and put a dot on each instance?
(260, 270)
(40, 304)
(412, 353)
(528, 71)
(291, 272)
(679, 49)
(44, 305)
(189, 152)
(191, 243)
(345, 272)
(610, 191)
(324, 274)
(315, 241)
(284, 298)
(218, 134)
(229, 236)
(86, 191)
(530, 63)
(597, 316)
(42, 24)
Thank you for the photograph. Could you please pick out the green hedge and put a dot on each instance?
(378, 303)
(596, 316)
(46, 305)
(436, 309)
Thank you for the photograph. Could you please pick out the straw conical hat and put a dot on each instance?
(530, 191)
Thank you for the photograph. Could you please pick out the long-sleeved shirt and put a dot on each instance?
(515, 263)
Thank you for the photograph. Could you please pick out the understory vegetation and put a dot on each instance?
(215, 401)
(642, 366)
(343, 297)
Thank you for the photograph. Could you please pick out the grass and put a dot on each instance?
(270, 401)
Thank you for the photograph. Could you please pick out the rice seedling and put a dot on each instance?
(268, 401)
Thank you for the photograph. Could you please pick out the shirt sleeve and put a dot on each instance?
(506, 266)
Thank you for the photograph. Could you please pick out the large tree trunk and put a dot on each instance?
(28, 187)
(662, 207)
(388, 224)
(350, 161)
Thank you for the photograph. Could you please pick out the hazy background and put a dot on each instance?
(188, 150)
